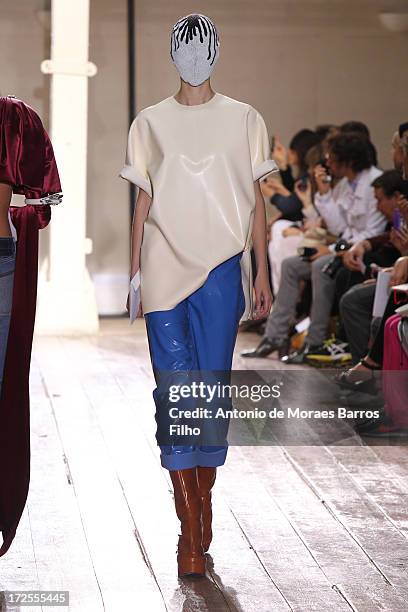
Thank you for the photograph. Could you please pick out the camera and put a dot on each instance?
(327, 178)
(336, 262)
(306, 252)
(302, 183)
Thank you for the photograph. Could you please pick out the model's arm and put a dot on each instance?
(142, 206)
(263, 296)
(5, 197)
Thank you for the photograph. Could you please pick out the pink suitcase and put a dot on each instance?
(395, 374)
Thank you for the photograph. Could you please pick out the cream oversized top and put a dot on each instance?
(199, 164)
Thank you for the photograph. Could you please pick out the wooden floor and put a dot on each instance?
(296, 528)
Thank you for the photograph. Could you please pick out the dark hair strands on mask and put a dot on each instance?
(192, 26)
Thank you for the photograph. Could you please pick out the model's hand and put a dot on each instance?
(140, 310)
(263, 296)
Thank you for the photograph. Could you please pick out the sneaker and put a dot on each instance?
(382, 427)
(332, 351)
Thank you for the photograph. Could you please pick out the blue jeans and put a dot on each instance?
(7, 266)
(198, 334)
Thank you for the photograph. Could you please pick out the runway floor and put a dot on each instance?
(298, 528)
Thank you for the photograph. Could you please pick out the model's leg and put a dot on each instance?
(172, 350)
(173, 357)
(190, 554)
(215, 310)
(206, 479)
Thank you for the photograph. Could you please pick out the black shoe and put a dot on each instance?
(264, 348)
(299, 356)
(253, 325)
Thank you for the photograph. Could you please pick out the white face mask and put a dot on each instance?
(194, 48)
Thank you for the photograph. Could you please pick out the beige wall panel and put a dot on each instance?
(298, 62)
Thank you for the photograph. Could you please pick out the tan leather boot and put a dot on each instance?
(190, 555)
(206, 478)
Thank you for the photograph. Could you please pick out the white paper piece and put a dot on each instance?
(303, 325)
(402, 310)
(382, 291)
(134, 296)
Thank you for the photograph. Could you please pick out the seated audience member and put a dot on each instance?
(362, 373)
(281, 193)
(360, 128)
(384, 250)
(349, 211)
(286, 236)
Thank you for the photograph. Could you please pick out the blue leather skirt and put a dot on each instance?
(198, 334)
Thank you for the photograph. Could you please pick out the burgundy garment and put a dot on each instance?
(27, 163)
(15, 399)
(27, 160)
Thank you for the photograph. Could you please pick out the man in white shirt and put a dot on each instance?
(350, 212)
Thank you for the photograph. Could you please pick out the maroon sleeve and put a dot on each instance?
(51, 182)
(27, 159)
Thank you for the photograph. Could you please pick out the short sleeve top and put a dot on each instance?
(198, 163)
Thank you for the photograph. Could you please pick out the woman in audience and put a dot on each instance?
(286, 236)
(292, 165)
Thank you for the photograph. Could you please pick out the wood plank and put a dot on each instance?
(335, 551)
(289, 563)
(61, 550)
(386, 598)
(384, 488)
(119, 564)
(378, 537)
